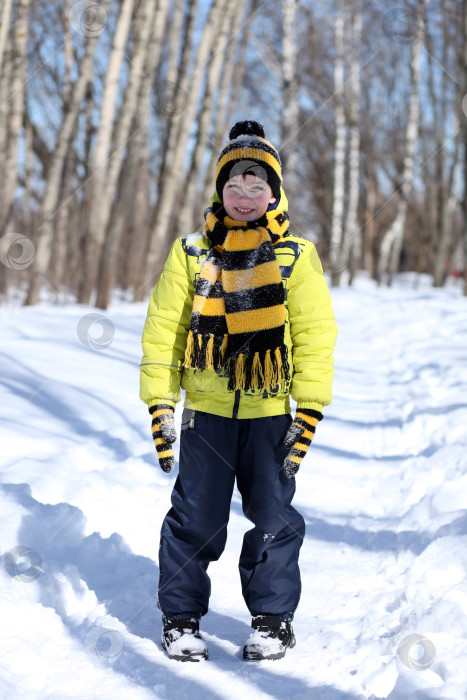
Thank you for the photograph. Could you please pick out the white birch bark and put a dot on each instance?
(171, 106)
(5, 78)
(5, 28)
(447, 199)
(122, 136)
(68, 52)
(149, 91)
(52, 194)
(174, 49)
(171, 96)
(141, 200)
(108, 106)
(28, 166)
(444, 248)
(352, 237)
(289, 91)
(231, 79)
(464, 133)
(100, 156)
(392, 242)
(337, 223)
(174, 172)
(183, 221)
(17, 102)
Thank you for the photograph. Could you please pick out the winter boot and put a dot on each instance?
(270, 640)
(182, 640)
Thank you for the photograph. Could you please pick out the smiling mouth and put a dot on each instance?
(244, 211)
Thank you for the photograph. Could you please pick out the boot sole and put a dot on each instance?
(196, 656)
(190, 657)
(257, 656)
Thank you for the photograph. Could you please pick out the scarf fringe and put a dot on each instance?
(253, 373)
(244, 372)
(205, 352)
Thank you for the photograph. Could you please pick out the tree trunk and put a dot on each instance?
(353, 233)
(176, 35)
(173, 175)
(136, 260)
(337, 224)
(446, 198)
(184, 218)
(5, 28)
(353, 236)
(100, 157)
(392, 242)
(132, 97)
(52, 194)
(230, 87)
(289, 92)
(17, 102)
(5, 106)
(171, 102)
(464, 130)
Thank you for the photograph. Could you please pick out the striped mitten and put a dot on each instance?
(299, 437)
(164, 434)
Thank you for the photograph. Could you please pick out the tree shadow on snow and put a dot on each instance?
(380, 540)
(25, 384)
(126, 583)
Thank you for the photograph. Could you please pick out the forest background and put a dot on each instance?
(112, 116)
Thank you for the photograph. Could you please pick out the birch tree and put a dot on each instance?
(447, 128)
(172, 176)
(228, 96)
(5, 27)
(392, 242)
(337, 224)
(99, 207)
(184, 219)
(289, 90)
(132, 97)
(464, 134)
(353, 238)
(64, 140)
(16, 111)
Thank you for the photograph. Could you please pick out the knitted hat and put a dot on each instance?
(249, 152)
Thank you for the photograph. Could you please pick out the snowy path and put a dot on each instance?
(383, 491)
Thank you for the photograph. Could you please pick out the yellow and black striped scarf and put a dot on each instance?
(237, 319)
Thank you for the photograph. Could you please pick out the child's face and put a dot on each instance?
(246, 197)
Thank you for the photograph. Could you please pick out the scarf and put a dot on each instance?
(237, 319)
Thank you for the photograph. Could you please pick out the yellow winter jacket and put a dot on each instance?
(310, 335)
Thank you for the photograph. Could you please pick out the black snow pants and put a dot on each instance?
(213, 452)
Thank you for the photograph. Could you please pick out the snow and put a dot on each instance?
(383, 491)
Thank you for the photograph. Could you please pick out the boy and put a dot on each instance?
(240, 318)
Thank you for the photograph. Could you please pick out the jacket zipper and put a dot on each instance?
(236, 403)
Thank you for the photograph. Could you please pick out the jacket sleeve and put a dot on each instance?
(313, 331)
(165, 331)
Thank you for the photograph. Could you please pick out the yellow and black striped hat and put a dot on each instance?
(248, 152)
